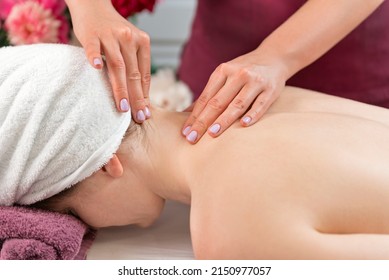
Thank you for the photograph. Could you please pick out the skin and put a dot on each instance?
(309, 181)
(102, 30)
(257, 78)
(243, 88)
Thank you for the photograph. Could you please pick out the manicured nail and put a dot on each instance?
(192, 136)
(186, 130)
(140, 116)
(97, 61)
(124, 105)
(215, 128)
(147, 112)
(246, 120)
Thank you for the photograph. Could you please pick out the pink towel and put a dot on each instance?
(28, 233)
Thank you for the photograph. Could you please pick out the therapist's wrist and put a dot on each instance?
(276, 61)
(292, 57)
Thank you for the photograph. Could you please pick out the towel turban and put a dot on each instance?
(58, 121)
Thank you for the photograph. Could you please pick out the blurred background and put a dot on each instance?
(167, 22)
(168, 26)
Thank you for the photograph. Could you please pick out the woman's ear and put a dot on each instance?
(114, 167)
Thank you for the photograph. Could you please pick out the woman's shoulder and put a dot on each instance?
(299, 100)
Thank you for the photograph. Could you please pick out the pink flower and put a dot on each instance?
(56, 6)
(6, 7)
(30, 23)
(63, 31)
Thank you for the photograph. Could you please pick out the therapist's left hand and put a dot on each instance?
(244, 88)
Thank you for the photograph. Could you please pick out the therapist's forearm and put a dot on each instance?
(315, 28)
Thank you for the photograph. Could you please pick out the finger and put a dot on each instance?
(144, 63)
(93, 52)
(117, 73)
(215, 107)
(235, 109)
(215, 83)
(259, 108)
(134, 85)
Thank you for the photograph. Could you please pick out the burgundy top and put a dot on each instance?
(356, 68)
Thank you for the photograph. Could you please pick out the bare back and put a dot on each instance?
(314, 168)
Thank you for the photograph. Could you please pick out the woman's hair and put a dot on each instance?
(134, 132)
(54, 203)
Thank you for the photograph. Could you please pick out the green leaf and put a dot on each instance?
(3, 38)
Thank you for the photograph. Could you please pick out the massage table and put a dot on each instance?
(168, 238)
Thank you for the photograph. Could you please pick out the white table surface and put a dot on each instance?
(168, 238)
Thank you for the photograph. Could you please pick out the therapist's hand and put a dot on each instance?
(103, 31)
(241, 88)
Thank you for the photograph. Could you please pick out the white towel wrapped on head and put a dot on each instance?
(58, 121)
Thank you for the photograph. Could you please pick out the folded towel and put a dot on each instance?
(58, 121)
(28, 233)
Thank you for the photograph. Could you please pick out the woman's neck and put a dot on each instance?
(170, 167)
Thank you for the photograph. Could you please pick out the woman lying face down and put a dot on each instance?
(309, 181)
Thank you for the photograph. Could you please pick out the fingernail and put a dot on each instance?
(124, 105)
(192, 136)
(215, 128)
(246, 120)
(186, 130)
(147, 112)
(97, 61)
(140, 116)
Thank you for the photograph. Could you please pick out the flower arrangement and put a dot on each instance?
(33, 21)
(48, 21)
(168, 93)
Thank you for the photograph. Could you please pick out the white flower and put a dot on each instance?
(168, 93)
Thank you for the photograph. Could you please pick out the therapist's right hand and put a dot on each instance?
(101, 30)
